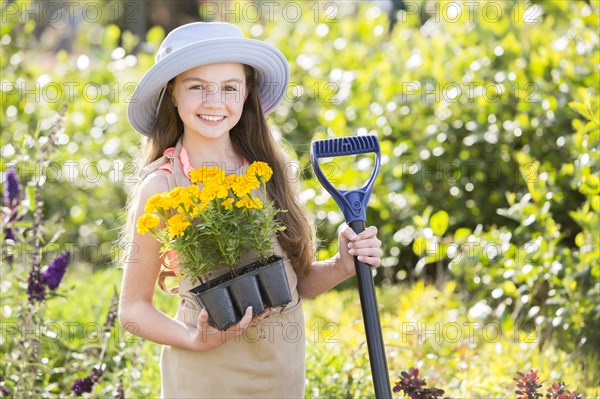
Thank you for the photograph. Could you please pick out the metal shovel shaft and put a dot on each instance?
(370, 312)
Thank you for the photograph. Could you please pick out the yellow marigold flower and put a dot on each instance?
(207, 173)
(203, 205)
(195, 211)
(258, 202)
(187, 195)
(231, 180)
(156, 202)
(242, 203)
(222, 192)
(217, 188)
(250, 203)
(193, 191)
(227, 204)
(146, 222)
(177, 196)
(245, 185)
(260, 169)
(209, 193)
(177, 225)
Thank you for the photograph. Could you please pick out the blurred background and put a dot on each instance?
(487, 201)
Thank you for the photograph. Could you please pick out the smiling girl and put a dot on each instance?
(204, 103)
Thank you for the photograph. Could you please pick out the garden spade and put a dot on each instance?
(353, 204)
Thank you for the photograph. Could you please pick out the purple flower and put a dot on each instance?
(56, 270)
(36, 290)
(9, 235)
(83, 385)
(12, 189)
(12, 197)
(4, 392)
(86, 384)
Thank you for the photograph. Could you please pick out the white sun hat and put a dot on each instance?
(202, 43)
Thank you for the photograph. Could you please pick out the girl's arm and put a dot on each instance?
(137, 314)
(324, 275)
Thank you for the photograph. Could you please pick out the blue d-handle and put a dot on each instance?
(354, 205)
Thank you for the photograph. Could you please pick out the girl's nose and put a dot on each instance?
(211, 96)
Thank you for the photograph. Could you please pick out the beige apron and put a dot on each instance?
(266, 361)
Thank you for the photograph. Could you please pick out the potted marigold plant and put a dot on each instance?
(213, 227)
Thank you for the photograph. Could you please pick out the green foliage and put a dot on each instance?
(533, 271)
(452, 345)
(433, 330)
(94, 165)
(42, 355)
(71, 337)
(490, 147)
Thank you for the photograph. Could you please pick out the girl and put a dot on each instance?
(204, 101)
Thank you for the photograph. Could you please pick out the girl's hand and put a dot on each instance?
(206, 337)
(365, 245)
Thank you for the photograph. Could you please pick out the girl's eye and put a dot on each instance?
(197, 87)
(230, 88)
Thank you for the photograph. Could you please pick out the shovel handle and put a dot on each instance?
(370, 312)
(353, 203)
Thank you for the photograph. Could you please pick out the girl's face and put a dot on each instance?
(210, 98)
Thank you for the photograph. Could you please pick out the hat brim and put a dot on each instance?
(271, 67)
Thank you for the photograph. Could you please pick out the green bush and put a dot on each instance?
(50, 350)
(489, 133)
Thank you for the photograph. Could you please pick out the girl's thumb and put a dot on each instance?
(203, 319)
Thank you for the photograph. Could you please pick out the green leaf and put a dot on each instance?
(31, 197)
(595, 201)
(111, 36)
(509, 288)
(579, 240)
(462, 234)
(155, 35)
(420, 246)
(439, 223)
(580, 109)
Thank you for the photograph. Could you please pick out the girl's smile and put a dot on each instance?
(212, 119)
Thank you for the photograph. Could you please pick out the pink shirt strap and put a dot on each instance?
(184, 158)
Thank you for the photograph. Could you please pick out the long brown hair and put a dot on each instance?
(252, 139)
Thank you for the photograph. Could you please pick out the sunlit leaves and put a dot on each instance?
(439, 223)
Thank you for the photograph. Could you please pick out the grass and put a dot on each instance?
(422, 327)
